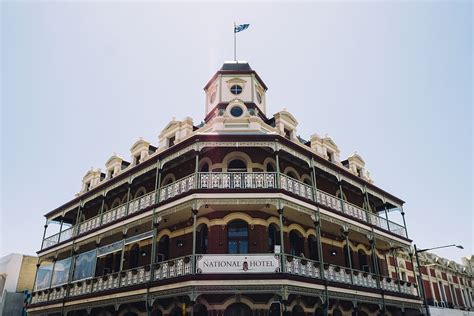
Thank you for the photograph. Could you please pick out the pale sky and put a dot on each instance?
(390, 80)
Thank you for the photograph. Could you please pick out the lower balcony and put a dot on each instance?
(248, 264)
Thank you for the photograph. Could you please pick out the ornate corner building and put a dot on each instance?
(237, 216)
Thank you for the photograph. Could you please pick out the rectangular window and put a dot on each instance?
(287, 133)
(136, 160)
(110, 174)
(88, 186)
(171, 141)
(330, 156)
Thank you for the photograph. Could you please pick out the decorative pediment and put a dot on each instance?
(139, 144)
(113, 160)
(287, 117)
(356, 158)
(170, 125)
(236, 81)
(330, 143)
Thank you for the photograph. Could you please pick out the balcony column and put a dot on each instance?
(158, 183)
(60, 229)
(317, 225)
(395, 263)
(277, 161)
(282, 241)
(122, 256)
(313, 179)
(156, 224)
(404, 222)
(345, 233)
(78, 220)
(44, 232)
(367, 205)
(342, 193)
(36, 274)
(374, 258)
(101, 211)
(51, 277)
(193, 260)
(196, 171)
(129, 184)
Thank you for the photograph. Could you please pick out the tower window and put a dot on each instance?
(236, 89)
(236, 111)
(259, 97)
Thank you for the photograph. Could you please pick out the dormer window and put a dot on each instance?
(110, 174)
(136, 159)
(330, 156)
(287, 133)
(171, 141)
(87, 186)
(359, 172)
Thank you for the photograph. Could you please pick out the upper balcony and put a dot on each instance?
(219, 182)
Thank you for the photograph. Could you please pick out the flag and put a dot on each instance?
(240, 28)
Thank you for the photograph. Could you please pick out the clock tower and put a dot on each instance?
(235, 83)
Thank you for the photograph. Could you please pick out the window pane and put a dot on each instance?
(43, 276)
(61, 272)
(84, 265)
(244, 245)
(232, 245)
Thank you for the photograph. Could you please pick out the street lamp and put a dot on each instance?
(422, 286)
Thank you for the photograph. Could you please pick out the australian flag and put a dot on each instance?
(241, 27)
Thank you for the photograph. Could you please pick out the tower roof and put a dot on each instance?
(236, 66)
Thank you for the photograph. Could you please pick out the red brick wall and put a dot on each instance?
(436, 290)
(429, 294)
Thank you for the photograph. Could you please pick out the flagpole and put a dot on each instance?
(235, 44)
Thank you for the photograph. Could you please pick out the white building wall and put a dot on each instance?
(11, 265)
(436, 311)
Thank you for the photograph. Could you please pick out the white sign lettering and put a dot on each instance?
(247, 263)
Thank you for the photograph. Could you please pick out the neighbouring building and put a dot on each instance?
(238, 215)
(17, 275)
(448, 285)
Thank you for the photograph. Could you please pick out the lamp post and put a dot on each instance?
(422, 286)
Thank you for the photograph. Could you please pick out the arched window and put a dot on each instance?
(133, 256)
(319, 311)
(237, 237)
(296, 244)
(200, 310)
(347, 263)
(176, 311)
(313, 248)
(270, 168)
(273, 238)
(204, 168)
(297, 311)
(307, 181)
(291, 174)
(201, 239)
(163, 249)
(238, 309)
(363, 262)
(337, 312)
(237, 165)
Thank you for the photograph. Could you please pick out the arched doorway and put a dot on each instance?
(237, 237)
(297, 311)
(200, 310)
(238, 309)
(201, 239)
(313, 248)
(296, 244)
(273, 237)
(237, 165)
(163, 249)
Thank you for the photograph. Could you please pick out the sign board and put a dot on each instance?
(241, 263)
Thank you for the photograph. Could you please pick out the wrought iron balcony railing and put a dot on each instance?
(226, 181)
(184, 266)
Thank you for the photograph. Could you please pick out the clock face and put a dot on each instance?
(236, 89)
(259, 97)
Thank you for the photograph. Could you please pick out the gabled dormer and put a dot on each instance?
(114, 166)
(140, 151)
(286, 124)
(91, 179)
(175, 132)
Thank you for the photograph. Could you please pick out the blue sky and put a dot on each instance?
(390, 80)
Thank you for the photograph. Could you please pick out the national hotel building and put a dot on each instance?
(237, 216)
